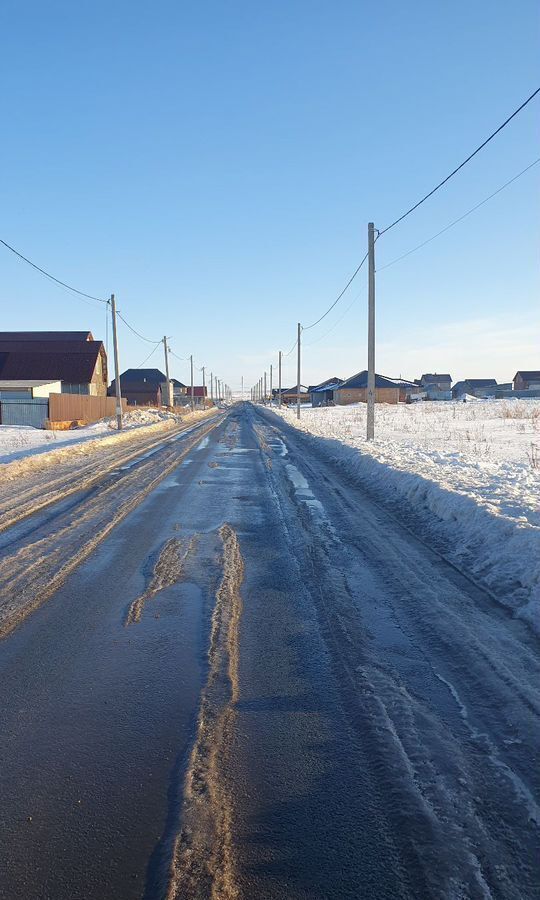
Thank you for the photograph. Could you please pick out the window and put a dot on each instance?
(69, 388)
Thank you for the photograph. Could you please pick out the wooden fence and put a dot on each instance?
(81, 407)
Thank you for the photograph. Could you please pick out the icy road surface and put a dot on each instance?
(259, 685)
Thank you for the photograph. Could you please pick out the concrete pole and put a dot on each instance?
(370, 432)
(279, 379)
(298, 374)
(271, 384)
(204, 385)
(265, 394)
(168, 392)
(212, 386)
(116, 366)
(192, 404)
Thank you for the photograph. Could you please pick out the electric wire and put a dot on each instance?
(336, 301)
(149, 355)
(336, 323)
(139, 335)
(459, 219)
(51, 277)
(461, 165)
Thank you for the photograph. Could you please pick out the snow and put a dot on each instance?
(468, 473)
(23, 440)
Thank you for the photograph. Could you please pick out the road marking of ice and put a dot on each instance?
(203, 444)
(520, 788)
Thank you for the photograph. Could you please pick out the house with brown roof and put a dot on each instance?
(73, 358)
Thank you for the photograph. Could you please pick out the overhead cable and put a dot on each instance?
(461, 165)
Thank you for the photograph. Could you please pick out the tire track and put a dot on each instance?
(32, 573)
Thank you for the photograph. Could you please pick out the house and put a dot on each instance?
(73, 358)
(476, 387)
(354, 390)
(141, 387)
(290, 395)
(527, 381)
(436, 387)
(408, 390)
(323, 394)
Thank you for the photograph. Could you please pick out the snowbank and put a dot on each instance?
(469, 475)
(18, 441)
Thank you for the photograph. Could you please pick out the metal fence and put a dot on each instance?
(25, 412)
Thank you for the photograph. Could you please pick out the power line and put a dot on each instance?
(460, 219)
(141, 336)
(181, 358)
(285, 355)
(149, 355)
(336, 323)
(336, 301)
(51, 277)
(461, 165)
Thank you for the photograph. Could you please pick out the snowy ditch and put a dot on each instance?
(464, 474)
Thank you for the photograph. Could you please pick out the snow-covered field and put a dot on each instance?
(470, 471)
(23, 440)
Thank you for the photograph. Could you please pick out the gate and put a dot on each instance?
(25, 412)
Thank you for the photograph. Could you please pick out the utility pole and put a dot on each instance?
(279, 378)
(116, 366)
(168, 400)
(370, 432)
(204, 385)
(212, 386)
(271, 397)
(298, 374)
(265, 394)
(192, 389)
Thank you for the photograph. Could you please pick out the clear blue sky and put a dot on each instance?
(215, 165)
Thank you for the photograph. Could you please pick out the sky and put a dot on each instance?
(215, 165)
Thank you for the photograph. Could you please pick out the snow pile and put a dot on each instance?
(469, 475)
(19, 441)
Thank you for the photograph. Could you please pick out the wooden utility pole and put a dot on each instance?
(264, 395)
(192, 388)
(370, 431)
(298, 374)
(204, 385)
(279, 378)
(271, 396)
(212, 386)
(116, 366)
(168, 398)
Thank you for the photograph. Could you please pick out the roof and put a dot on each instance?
(75, 366)
(46, 336)
(478, 382)
(51, 347)
(148, 377)
(329, 386)
(528, 376)
(292, 390)
(436, 377)
(176, 383)
(24, 383)
(325, 385)
(360, 381)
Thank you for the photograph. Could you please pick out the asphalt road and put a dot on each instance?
(260, 685)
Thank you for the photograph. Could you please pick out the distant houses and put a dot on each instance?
(474, 387)
(527, 381)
